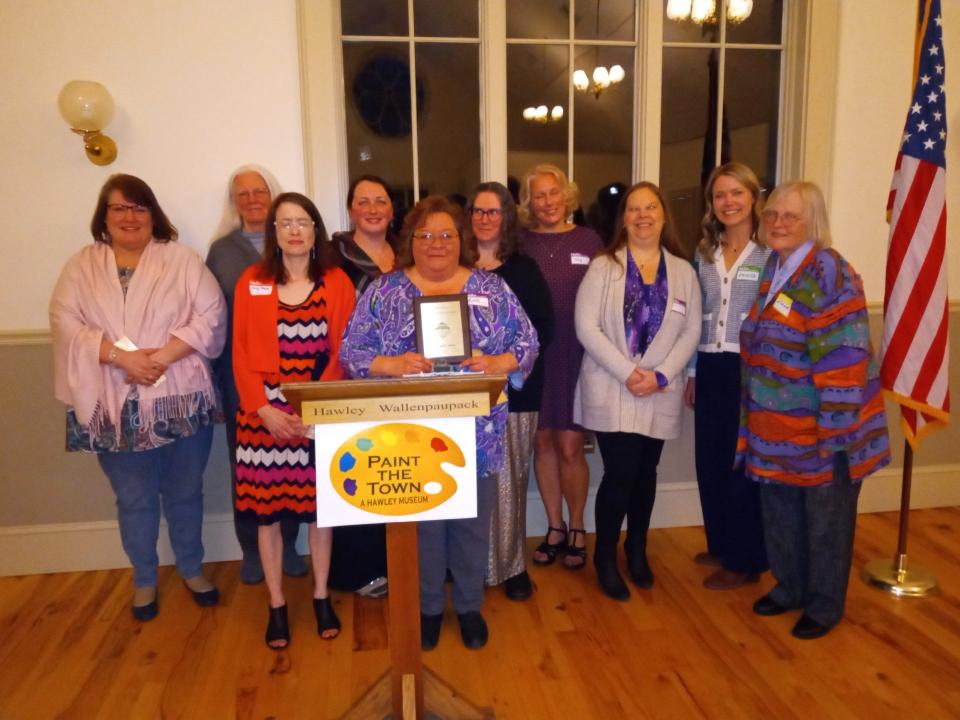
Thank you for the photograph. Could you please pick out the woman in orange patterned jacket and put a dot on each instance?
(289, 314)
(812, 419)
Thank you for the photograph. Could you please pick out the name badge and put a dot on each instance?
(748, 272)
(478, 300)
(579, 259)
(679, 306)
(260, 289)
(782, 304)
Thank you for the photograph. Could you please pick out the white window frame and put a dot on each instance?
(808, 93)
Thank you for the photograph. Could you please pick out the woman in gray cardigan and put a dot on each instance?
(638, 319)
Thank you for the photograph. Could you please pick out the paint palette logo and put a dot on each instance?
(396, 469)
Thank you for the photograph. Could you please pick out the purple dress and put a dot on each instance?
(563, 257)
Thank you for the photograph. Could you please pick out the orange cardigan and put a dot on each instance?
(256, 348)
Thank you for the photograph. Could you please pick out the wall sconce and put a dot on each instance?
(543, 115)
(88, 108)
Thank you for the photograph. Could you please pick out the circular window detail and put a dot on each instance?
(381, 93)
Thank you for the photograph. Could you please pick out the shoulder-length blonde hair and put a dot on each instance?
(814, 207)
(712, 227)
(571, 194)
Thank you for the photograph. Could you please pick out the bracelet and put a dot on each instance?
(112, 357)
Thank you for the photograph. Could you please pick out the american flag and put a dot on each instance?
(914, 359)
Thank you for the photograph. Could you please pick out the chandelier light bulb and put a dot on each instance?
(617, 74)
(739, 10)
(601, 77)
(542, 113)
(678, 9)
(580, 80)
(529, 113)
(702, 11)
(557, 113)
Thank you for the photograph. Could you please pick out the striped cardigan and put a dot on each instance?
(811, 386)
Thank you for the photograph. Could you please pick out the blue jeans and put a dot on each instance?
(171, 475)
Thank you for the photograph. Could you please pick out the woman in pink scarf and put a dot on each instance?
(135, 319)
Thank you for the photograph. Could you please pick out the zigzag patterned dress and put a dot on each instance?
(277, 479)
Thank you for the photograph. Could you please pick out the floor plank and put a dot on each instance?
(70, 649)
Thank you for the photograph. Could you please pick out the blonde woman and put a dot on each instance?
(563, 251)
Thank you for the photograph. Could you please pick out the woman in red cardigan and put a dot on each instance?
(289, 314)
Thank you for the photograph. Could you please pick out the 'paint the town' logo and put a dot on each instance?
(395, 469)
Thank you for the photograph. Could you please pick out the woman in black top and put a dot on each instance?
(493, 222)
(359, 558)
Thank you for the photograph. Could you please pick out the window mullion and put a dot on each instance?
(493, 90)
(414, 130)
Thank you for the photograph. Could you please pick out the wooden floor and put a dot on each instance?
(69, 647)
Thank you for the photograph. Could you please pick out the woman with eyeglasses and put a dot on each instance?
(638, 317)
(239, 245)
(437, 259)
(812, 422)
(136, 318)
(728, 261)
(290, 311)
(493, 224)
(562, 251)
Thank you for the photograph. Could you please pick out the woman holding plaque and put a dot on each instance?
(290, 310)
(638, 316)
(562, 251)
(493, 223)
(381, 342)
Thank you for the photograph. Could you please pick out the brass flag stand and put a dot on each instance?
(898, 577)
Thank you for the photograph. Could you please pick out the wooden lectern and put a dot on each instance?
(407, 689)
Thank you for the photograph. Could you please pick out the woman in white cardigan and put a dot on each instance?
(638, 318)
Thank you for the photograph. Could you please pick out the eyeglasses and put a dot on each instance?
(787, 219)
(481, 213)
(121, 209)
(444, 236)
(258, 193)
(288, 225)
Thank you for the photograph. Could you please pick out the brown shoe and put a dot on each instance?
(705, 558)
(724, 579)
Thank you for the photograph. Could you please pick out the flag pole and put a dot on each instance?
(897, 577)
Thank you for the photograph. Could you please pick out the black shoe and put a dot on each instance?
(327, 619)
(518, 587)
(278, 629)
(293, 563)
(205, 598)
(430, 630)
(809, 629)
(611, 582)
(640, 573)
(473, 630)
(768, 606)
(144, 613)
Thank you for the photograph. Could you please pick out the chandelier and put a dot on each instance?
(601, 78)
(543, 115)
(704, 12)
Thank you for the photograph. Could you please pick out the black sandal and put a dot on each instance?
(277, 628)
(578, 553)
(326, 617)
(551, 550)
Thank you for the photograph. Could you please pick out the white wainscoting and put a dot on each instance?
(29, 550)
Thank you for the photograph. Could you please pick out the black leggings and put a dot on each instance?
(628, 489)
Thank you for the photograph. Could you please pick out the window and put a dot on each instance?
(479, 63)
(720, 102)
